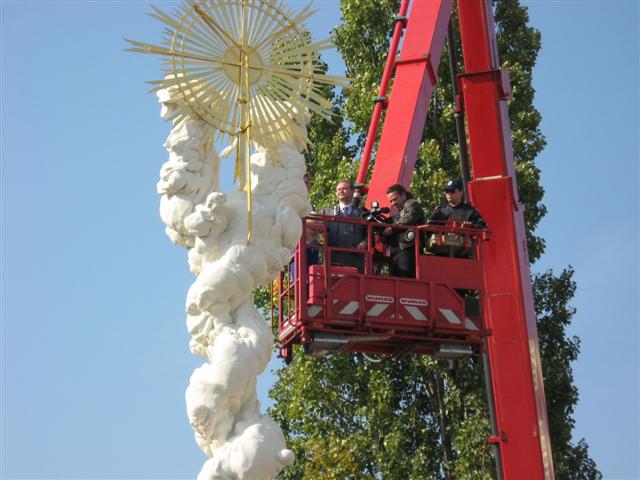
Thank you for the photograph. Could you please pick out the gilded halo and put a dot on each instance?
(242, 65)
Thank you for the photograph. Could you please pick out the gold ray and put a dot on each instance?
(201, 30)
(157, 50)
(165, 18)
(184, 13)
(215, 27)
(201, 41)
(273, 20)
(309, 50)
(258, 26)
(299, 19)
(274, 108)
(328, 79)
(227, 20)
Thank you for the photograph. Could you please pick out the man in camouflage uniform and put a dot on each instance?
(409, 212)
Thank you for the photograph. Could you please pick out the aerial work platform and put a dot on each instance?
(345, 308)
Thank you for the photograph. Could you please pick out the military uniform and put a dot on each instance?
(403, 245)
(346, 235)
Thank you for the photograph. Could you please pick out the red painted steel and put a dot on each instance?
(513, 350)
(334, 301)
(374, 313)
(415, 77)
(382, 93)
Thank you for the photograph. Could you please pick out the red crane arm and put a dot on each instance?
(381, 99)
(520, 411)
(518, 387)
(415, 76)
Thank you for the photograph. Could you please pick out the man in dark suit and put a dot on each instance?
(346, 235)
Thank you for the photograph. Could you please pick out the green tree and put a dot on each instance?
(347, 417)
(329, 156)
(552, 295)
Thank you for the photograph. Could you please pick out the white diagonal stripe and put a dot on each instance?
(350, 308)
(470, 325)
(314, 310)
(377, 309)
(284, 332)
(450, 316)
(415, 312)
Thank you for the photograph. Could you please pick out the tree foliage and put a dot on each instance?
(329, 156)
(347, 417)
(552, 294)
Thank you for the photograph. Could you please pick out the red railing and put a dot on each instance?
(293, 284)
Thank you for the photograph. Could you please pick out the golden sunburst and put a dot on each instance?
(246, 68)
(242, 64)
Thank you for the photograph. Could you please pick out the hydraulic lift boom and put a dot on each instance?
(522, 433)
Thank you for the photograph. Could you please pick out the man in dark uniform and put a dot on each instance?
(460, 211)
(346, 235)
(409, 212)
(456, 208)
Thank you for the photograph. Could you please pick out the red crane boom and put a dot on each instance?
(346, 301)
(518, 389)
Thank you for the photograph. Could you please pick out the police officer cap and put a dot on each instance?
(455, 184)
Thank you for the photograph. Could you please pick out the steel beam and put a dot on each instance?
(415, 77)
(518, 389)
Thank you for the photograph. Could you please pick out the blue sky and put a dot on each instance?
(94, 351)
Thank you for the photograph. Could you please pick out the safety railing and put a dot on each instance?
(451, 239)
